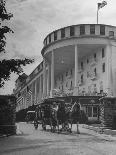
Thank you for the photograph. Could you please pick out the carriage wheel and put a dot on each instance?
(35, 124)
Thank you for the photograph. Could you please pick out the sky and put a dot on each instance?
(33, 20)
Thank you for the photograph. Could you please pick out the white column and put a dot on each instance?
(108, 70)
(48, 80)
(40, 88)
(52, 72)
(44, 78)
(76, 66)
(76, 89)
(35, 92)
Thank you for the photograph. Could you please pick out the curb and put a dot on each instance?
(100, 130)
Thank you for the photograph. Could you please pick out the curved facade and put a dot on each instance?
(77, 60)
(80, 60)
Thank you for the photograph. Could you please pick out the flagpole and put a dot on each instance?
(97, 15)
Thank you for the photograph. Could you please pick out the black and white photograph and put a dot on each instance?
(57, 77)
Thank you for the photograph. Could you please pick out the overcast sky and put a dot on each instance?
(34, 19)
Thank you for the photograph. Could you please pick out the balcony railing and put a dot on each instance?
(93, 76)
(80, 70)
(94, 62)
(80, 83)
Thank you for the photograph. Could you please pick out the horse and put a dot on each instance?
(58, 115)
(43, 115)
(73, 115)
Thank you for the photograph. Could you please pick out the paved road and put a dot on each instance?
(37, 142)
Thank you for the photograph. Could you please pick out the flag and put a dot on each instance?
(29, 98)
(101, 5)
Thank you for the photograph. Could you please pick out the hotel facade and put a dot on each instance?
(78, 60)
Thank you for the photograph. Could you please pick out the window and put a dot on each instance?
(62, 87)
(71, 71)
(103, 53)
(111, 33)
(103, 67)
(62, 77)
(95, 72)
(81, 65)
(66, 73)
(63, 33)
(72, 31)
(95, 111)
(102, 30)
(81, 78)
(66, 84)
(87, 61)
(94, 88)
(92, 111)
(89, 111)
(92, 29)
(49, 38)
(94, 56)
(82, 29)
(87, 74)
(55, 35)
(71, 84)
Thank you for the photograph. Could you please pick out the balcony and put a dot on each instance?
(69, 76)
(80, 70)
(93, 77)
(80, 83)
(94, 62)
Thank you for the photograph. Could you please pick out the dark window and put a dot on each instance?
(92, 29)
(49, 38)
(102, 30)
(27, 89)
(111, 33)
(82, 29)
(81, 65)
(103, 67)
(94, 56)
(72, 31)
(95, 72)
(81, 78)
(71, 71)
(71, 84)
(19, 94)
(103, 53)
(95, 112)
(89, 111)
(87, 74)
(62, 77)
(55, 35)
(87, 61)
(66, 84)
(63, 33)
(62, 87)
(66, 73)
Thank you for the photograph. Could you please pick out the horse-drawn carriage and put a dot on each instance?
(58, 114)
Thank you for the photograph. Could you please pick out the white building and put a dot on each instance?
(77, 60)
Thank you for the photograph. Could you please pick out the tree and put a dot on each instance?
(12, 65)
